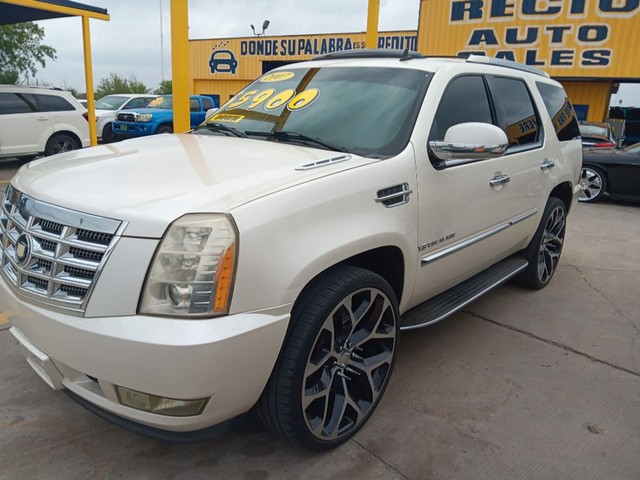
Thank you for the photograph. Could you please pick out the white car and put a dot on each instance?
(36, 121)
(269, 258)
(108, 107)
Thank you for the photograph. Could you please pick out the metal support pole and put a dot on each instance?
(372, 23)
(88, 75)
(180, 64)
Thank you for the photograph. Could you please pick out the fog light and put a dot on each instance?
(160, 405)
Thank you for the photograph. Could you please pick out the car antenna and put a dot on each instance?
(405, 55)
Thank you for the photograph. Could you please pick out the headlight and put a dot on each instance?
(193, 269)
(144, 117)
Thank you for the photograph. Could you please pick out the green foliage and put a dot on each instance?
(21, 50)
(165, 88)
(114, 83)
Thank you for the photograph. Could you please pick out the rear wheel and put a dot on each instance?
(592, 184)
(543, 252)
(59, 143)
(336, 360)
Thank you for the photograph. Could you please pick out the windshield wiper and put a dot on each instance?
(220, 128)
(284, 136)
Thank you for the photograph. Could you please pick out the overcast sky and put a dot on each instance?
(130, 43)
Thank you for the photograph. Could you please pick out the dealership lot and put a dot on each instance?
(520, 384)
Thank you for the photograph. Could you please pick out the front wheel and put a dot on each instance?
(164, 129)
(336, 360)
(108, 135)
(543, 252)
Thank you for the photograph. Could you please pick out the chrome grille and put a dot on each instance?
(126, 117)
(53, 255)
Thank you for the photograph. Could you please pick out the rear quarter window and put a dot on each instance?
(560, 110)
(53, 103)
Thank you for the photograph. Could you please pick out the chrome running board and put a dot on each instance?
(447, 303)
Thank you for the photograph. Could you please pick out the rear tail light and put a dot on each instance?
(605, 145)
(86, 115)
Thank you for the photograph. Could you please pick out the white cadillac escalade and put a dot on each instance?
(268, 259)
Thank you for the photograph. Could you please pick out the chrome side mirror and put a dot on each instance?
(468, 142)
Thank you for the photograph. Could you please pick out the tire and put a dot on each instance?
(108, 135)
(593, 184)
(164, 129)
(545, 248)
(331, 375)
(59, 143)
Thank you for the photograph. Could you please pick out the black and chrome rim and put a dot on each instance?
(64, 145)
(349, 364)
(551, 244)
(590, 184)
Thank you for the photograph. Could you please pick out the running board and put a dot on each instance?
(447, 303)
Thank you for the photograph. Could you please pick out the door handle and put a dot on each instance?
(547, 164)
(42, 119)
(499, 180)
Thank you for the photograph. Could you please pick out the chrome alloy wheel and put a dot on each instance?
(591, 185)
(349, 364)
(551, 244)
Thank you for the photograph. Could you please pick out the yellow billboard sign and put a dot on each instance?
(243, 58)
(566, 38)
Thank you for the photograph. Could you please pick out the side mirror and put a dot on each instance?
(468, 142)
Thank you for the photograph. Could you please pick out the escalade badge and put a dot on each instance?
(23, 250)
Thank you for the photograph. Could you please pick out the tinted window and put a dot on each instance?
(560, 110)
(51, 103)
(464, 100)
(14, 103)
(515, 111)
(208, 103)
(194, 105)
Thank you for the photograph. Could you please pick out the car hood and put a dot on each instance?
(147, 110)
(149, 182)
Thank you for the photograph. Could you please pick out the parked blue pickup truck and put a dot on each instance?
(158, 116)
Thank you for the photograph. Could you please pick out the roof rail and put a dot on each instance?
(501, 62)
(370, 53)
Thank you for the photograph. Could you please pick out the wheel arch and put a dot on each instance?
(564, 193)
(62, 132)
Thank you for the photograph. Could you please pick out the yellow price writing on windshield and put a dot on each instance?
(256, 98)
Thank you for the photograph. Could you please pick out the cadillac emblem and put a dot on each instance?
(23, 250)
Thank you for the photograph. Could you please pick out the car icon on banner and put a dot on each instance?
(223, 61)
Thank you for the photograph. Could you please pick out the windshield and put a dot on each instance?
(635, 148)
(165, 102)
(111, 102)
(367, 111)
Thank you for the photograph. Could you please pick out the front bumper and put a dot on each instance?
(132, 129)
(227, 360)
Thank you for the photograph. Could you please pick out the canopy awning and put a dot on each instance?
(18, 11)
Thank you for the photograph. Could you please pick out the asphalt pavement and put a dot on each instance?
(519, 385)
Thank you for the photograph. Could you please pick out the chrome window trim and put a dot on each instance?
(476, 238)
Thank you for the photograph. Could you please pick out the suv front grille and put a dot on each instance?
(126, 117)
(50, 254)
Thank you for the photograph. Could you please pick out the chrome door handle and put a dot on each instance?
(499, 180)
(547, 164)
(42, 119)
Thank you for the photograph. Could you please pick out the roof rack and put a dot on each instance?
(371, 53)
(501, 62)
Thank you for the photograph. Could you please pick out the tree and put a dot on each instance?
(114, 83)
(165, 88)
(21, 50)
